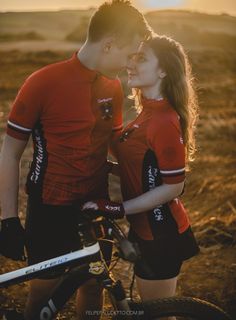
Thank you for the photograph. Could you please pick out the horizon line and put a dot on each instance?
(144, 11)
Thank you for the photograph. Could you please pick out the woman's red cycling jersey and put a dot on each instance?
(151, 152)
(71, 112)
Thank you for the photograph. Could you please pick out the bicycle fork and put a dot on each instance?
(117, 297)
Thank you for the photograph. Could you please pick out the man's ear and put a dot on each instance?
(107, 47)
(107, 44)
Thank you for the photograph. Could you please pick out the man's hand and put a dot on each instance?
(12, 239)
(108, 209)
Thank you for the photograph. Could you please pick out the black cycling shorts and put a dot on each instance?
(51, 231)
(162, 258)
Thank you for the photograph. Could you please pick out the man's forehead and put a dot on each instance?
(142, 46)
(135, 43)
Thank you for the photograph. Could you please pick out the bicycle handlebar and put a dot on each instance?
(90, 251)
(127, 249)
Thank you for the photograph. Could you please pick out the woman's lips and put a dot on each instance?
(131, 75)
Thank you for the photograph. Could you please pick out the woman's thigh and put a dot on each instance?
(156, 289)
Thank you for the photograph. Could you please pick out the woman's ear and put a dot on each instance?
(162, 75)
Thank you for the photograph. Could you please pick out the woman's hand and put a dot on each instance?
(108, 209)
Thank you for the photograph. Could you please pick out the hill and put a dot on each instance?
(202, 21)
(58, 25)
(194, 29)
(51, 25)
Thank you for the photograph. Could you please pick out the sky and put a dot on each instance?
(210, 6)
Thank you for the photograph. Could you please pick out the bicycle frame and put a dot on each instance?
(87, 263)
(82, 265)
(33, 271)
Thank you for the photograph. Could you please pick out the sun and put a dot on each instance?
(162, 3)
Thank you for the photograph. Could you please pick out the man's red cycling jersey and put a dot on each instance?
(71, 112)
(151, 152)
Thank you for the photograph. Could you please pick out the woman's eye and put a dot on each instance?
(140, 59)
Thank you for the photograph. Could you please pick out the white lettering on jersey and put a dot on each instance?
(104, 100)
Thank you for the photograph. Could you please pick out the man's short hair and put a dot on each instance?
(120, 19)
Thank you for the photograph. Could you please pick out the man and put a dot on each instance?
(72, 109)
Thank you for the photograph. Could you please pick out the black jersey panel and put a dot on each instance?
(161, 221)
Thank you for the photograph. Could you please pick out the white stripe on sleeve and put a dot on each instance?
(18, 127)
(172, 171)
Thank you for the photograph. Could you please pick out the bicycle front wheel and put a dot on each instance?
(179, 307)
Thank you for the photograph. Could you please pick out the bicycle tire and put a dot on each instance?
(178, 307)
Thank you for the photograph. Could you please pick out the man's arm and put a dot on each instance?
(10, 156)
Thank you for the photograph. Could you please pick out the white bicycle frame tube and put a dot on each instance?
(49, 264)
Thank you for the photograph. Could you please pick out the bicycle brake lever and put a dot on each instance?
(128, 250)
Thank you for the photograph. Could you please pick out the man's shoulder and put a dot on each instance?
(50, 72)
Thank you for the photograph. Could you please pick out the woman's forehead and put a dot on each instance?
(145, 49)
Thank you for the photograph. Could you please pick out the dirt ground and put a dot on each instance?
(210, 188)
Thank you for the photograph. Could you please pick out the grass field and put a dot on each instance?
(211, 184)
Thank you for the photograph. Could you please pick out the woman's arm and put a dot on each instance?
(147, 201)
(153, 198)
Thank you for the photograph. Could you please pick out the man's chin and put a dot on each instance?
(111, 74)
(114, 73)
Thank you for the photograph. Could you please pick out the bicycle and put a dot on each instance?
(81, 265)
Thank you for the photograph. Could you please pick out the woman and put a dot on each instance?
(153, 152)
